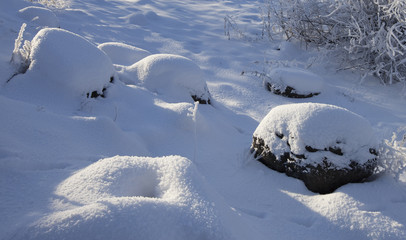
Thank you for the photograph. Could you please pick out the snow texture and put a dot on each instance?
(167, 74)
(319, 126)
(304, 82)
(71, 167)
(132, 198)
(39, 16)
(64, 65)
(123, 54)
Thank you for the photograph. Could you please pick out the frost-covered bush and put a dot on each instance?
(20, 58)
(392, 158)
(53, 3)
(370, 34)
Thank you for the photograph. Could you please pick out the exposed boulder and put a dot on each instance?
(294, 83)
(323, 145)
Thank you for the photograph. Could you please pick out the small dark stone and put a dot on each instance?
(201, 101)
(289, 92)
(310, 149)
(336, 150)
(279, 135)
(96, 94)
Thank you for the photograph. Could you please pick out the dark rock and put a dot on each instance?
(288, 91)
(325, 146)
(200, 100)
(322, 178)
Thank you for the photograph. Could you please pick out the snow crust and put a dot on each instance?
(319, 126)
(39, 16)
(303, 81)
(123, 54)
(167, 74)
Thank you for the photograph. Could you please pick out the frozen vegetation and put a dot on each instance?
(132, 120)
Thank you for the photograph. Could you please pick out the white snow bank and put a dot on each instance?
(141, 18)
(68, 62)
(39, 16)
(174, 76)
(123, 54)
(132, 198)
(319, 126)
(301, 80)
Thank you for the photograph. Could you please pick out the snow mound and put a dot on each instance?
(132, 198)
(141, 18)
(69, 62)
(39, 16)
(123, 54)
(307, 127)
(294, 81)
(174, 76)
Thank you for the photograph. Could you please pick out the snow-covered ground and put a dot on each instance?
(146, 161)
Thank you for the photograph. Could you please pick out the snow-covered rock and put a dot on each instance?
(324, 145)
(132, 198)
(69, 62)
(39, 16)
(173, 76)
(294, 83)
(123, 54)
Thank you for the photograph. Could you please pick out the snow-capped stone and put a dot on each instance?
(324, 145)
(173, 76)
(70, 62)
(123, 54)
(294, 83)
(39, 16)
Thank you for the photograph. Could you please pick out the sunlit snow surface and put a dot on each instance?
(145, 163)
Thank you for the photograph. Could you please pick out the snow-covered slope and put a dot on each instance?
(139, 162)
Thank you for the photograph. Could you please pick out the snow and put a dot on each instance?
(63, 67)
(123, 54)
(167, 74)
(39, 16)
(319, 126)
(302, 81)
(146, 161)
(133, 192)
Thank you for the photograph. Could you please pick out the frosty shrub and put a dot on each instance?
(20, 58)
(369, 35)
(59, 4)
(392, 158)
